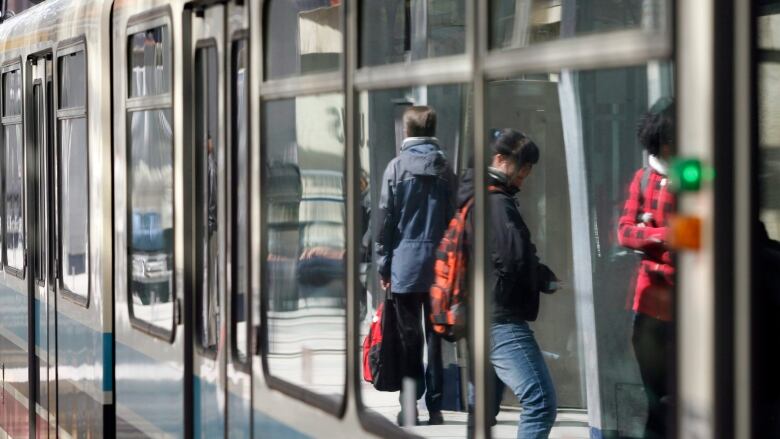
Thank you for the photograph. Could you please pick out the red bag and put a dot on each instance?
(380, 350)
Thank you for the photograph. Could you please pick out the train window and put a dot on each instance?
(72, 88)
(73, 174)
(240, 200)
(394, 31)
(594, 194)
(150, 182)
(515, 24)
(207, 141)
(302, 37)
(149, 62)
(14, 228)
(409, 167)
(304, 286)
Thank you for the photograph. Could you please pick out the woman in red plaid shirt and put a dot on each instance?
(643, 227)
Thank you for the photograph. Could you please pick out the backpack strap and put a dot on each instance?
(646, 171)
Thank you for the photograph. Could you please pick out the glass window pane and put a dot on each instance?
(150, 241)
(240, 200)
(73, 80)
(579, 272)
(74, 205)
(207, 149)
(302, 36)
(305, 271)
(396, 31)
(12, 93)
(520, 23)
(408, 187)
(14, 207)
(149, 61)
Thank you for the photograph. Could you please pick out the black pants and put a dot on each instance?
(653, 349)
(408, 308)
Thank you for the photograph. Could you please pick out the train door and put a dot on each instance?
(42, 283)
(208, 157)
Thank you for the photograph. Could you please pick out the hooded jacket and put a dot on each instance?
(517, 276)
(415, 207)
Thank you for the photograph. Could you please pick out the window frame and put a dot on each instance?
(68, 48)
(209, 352)
(132, 104)
(5, 121)
(275, 89)
(238, 37)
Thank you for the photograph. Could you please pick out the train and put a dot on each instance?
(189, 190)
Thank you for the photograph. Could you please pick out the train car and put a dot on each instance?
(190, 197)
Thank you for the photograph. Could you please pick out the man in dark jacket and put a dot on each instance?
(415, 207)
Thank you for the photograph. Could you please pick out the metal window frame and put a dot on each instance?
(273, 90)
(11, 66)
(202, 46)
(67, 48)
(148, 20)
(238, 37)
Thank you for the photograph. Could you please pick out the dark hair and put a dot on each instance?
(515, 144)
(656, 127)
(420, 121)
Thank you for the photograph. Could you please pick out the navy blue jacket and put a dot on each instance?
(415, 208)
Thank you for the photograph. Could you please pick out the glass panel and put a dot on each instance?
(150, 241)
(520, 23)
(240, 201)
(149, 62)
(73, 80)
(74, 205)
(303, 36)
(14, 207)
(12, 93)
(766, 253)
(408, 187)
(207, 149)
(305, 273)
(580, 229)
(395, 31)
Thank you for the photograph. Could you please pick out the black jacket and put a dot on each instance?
(517, 276)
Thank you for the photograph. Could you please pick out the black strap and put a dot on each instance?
(646, 171)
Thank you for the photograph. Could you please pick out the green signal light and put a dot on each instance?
(686, 175)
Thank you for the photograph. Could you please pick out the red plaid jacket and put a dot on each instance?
(643, 227)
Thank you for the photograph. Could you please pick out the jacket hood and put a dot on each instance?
(422, 156)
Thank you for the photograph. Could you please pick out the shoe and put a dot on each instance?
(435, 418)
(400, 419)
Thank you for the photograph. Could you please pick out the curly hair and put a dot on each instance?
(656, 127)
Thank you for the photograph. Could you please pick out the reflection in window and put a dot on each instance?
(302, 37)
(14, 213)
(149, 62)
(14, 233)
(74, 180)
(207, 148)
(240, 201)
(305, 271)
(73, 80)
(520, 23)
(150, 178)
(398, 31)
(382, 135)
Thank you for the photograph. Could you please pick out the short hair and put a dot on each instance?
(420, 121)
(515, 144)
(656, 126)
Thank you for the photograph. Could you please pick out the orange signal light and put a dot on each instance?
(685, 232)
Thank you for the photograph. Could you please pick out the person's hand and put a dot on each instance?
(385, 283)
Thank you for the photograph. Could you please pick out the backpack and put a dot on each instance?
(448, 293)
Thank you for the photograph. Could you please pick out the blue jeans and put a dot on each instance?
(519, 364)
